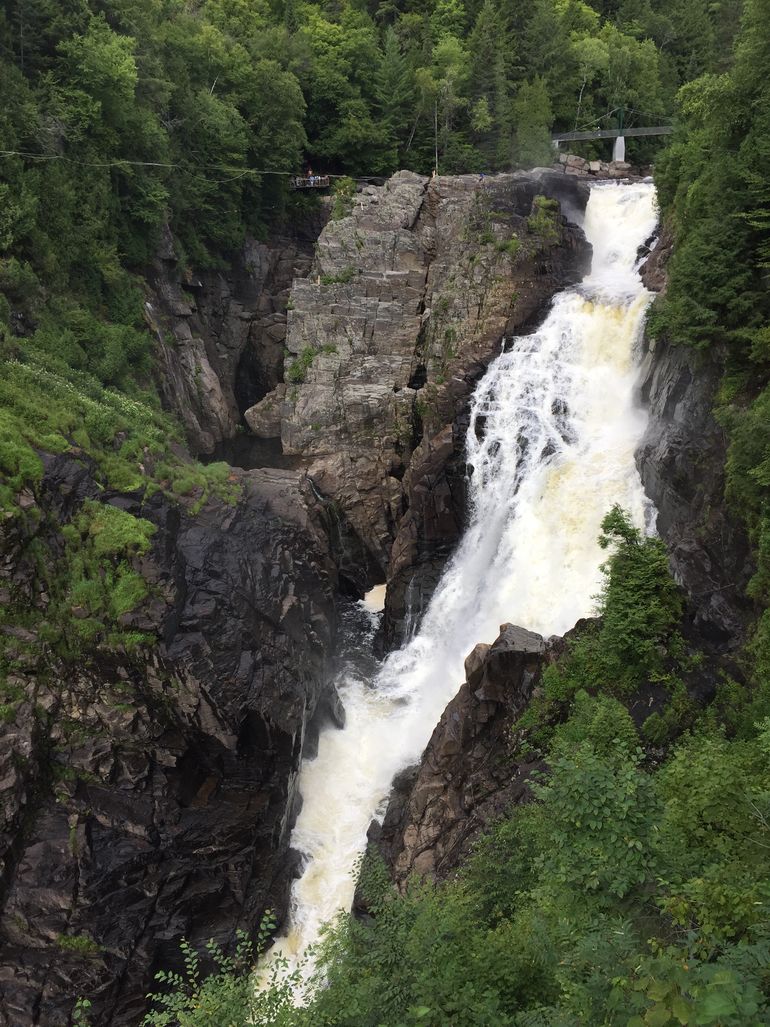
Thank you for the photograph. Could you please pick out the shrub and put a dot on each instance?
(543, 222)
(300, 365)
(343, 191)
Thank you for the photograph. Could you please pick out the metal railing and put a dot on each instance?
(310, 181)
(612, 133)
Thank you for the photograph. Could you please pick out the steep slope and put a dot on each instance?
(149, 788)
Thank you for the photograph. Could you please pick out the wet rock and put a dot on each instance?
(407, 302)
(467, 776)
(659, 250)
(149, 794)
(681, 460)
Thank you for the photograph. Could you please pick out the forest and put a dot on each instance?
(635, 891)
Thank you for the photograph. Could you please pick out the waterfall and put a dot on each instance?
(550, 448)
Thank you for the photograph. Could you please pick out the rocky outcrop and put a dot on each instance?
(408, 300)
(149, 784)
(467, 776)
(682, 463)
(681, 460)
(657, 251)
(221, 334)
(571, 164)
(148, 792)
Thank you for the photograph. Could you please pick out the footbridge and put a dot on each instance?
(619, 133)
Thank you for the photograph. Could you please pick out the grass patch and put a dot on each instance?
(297, 372)
(347, 274)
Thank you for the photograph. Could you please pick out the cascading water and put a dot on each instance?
(551, 445)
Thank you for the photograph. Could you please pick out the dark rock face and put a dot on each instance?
(149, 795)
(221, 334)
(681, 460)
(467, 776)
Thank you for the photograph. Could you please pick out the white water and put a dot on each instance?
(557, 450)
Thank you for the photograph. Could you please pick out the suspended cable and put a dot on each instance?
(125, 162)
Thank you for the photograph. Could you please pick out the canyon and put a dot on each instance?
(152, 797)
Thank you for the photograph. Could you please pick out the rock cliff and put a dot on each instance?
(407, 301)
(148, 793)
(467, 776)
(221, 334)
(149, 788)
(681, 460)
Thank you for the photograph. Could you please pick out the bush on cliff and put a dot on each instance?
(713, 187)
(635, 641)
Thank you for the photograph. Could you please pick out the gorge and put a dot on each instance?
(384, 513)
(550, 447)
(488, 359)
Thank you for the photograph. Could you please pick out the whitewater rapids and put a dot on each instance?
(551, 443)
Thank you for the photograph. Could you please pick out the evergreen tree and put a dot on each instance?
(394, 92)
(533, 117)
(491, 52)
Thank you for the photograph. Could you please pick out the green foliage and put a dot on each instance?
(79, 944)
(543, 222)
(344, 190)
(301, 365)
(600, 720)
(347, 274)
(635, 641)
(533, 118)
(640, 604)
(627, 893)
(227, 996)
(96, 583)
(510, 246)
(624, 894)
(46, 405)
(713, 187)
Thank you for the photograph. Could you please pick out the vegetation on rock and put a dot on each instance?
(635, 889)
(713, 187)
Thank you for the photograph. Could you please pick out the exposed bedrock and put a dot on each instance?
(221, 334)
(407, 301)
(471, 774)
(149, 795)
(467, 776)
(682, 460)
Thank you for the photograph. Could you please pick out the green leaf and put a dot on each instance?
(680, 1007)
(658, 1016)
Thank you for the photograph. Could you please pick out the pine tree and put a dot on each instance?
(393, 90)
(490, 53)
(533, 117)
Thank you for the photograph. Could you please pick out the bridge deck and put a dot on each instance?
(612, 133)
